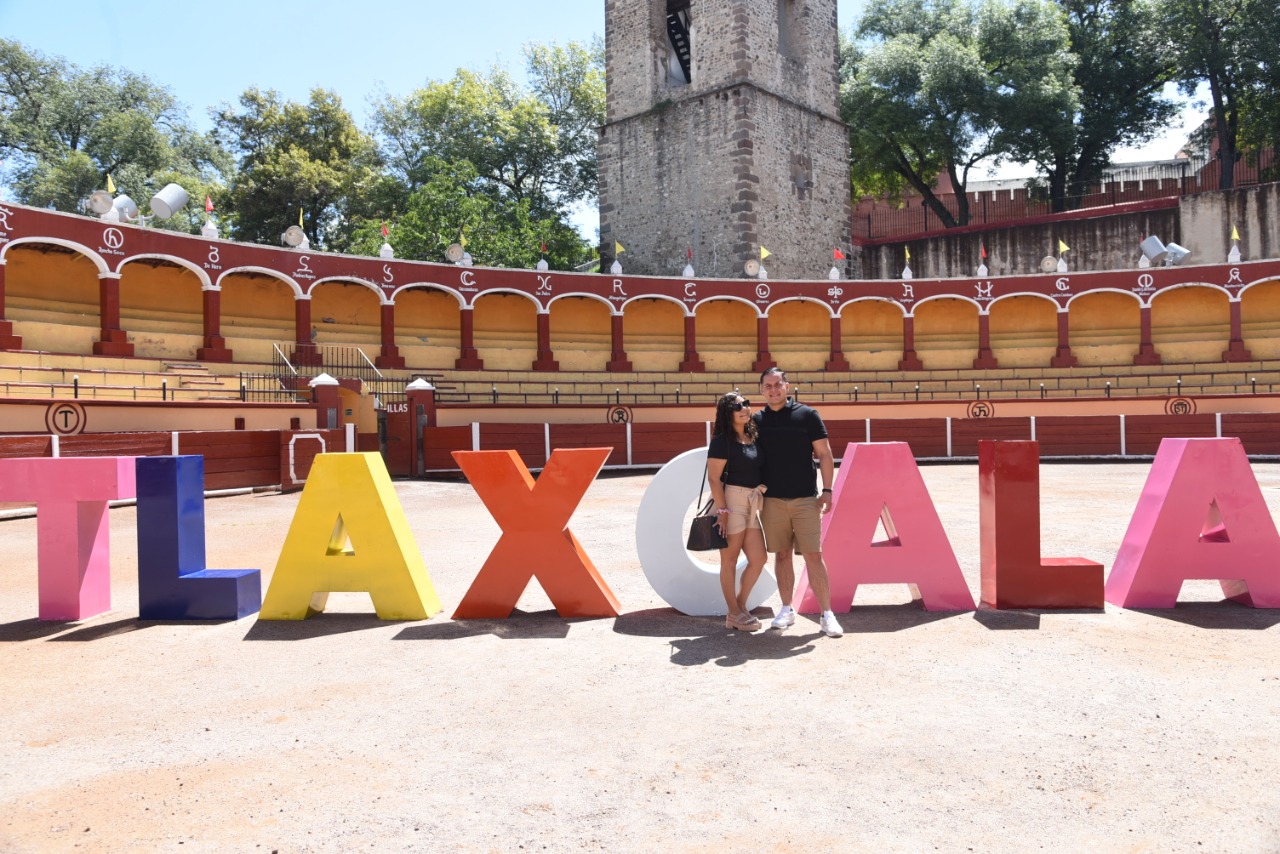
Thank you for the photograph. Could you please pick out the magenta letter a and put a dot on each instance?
(1201, 516)
(880, 481)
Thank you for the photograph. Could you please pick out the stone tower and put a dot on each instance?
(722, 134)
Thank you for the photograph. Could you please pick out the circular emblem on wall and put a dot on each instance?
(618, 415)
(982, 409)
(1180, 406)
(65, 419)
(113, 238)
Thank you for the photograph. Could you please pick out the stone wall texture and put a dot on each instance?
(751, 152)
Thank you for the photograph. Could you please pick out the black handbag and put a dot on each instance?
(704, 536)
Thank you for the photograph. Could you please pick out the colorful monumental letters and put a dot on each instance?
(173, 583)
(536, 541)
(350, 534)
(880, 482)
(1201, 516)
(1013, 575)
(684, 582)
(72, 528)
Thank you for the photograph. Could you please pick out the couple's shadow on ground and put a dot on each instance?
(697, 641)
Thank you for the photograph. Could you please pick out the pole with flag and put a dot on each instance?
(1233, 257)
(982, 259)
(208, 230)
(1063, 249)
(208, 204)
(906, 264)
(300, 218)
(111, 185)
(836, 255)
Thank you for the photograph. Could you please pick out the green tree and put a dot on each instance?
(64, 129)
(296, 157)
(1260, 120)
(1231, 46)
(936, 87)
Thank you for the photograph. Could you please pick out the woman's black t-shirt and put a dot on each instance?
(745, 463)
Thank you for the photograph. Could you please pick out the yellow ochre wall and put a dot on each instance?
(653, 330)
(580, 334)
(506, 331)
(162, 309)
(52, 299)
(428, 329)
(871, 335)
(1105, 328)
(1260, 320)
(947, 334)
(1024, 332)
(347, 313)
(257, 311)
(1191, 324)
(727, 336)
(800, 336)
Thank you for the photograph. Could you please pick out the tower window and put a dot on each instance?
(679, 44)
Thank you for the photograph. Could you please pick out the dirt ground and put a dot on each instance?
(979, 731)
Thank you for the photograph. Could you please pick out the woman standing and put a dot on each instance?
(734, 467)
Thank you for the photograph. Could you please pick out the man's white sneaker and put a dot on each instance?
(830, 627)
(786, 617)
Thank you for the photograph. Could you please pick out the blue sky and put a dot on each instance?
(209, 52)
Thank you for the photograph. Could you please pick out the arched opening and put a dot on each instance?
(347, 314)
(653, 331)
(257, 312)
(727, 335)
(580, 334)
(1260, 320)
(506, 332)
(1024, 332)
(946, 332)
(428, 328)
(1105, 328)
(52, 297)
(871, 335)
(800, 335)
(1190, 324)
(162, 309)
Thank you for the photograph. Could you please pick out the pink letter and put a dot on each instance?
(881, 481)
(1202, 516)
(73, 542)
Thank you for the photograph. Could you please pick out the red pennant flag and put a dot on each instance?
(837, 254)
(384, 230)
(208, 205)
(544, 247)
(983, 247)
(689, 253)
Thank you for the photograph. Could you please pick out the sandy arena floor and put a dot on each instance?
(989, 731)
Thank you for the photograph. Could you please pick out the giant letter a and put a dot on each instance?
(1201, 515)
(349, 534)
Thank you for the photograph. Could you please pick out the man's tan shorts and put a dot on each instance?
(741, 517)
(792, 523)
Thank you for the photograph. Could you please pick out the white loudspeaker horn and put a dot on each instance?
(1048, 264)
(293, 235)
(1176, 254)
(1153, 249)
(127, 207)
(454, 253)
(169, 200)
(751, 267)
(100, 201)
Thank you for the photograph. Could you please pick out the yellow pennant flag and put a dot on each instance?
(462, 239)
(299, 217)
(1235, 235)
(906, 250)
(1062, 247)
(111, 186)
(618, 248)
(764, 253)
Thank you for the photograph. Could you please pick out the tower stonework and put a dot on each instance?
(722, 134)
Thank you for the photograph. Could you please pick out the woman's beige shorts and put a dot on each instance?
(741, 516)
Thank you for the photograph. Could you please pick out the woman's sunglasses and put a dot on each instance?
(740, 405)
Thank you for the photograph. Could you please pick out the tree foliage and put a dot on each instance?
(935, 87)
(64, 129)
(295, 158)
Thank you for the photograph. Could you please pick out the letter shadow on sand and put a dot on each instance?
(535, 625)
(324, 624)
(1225, 614)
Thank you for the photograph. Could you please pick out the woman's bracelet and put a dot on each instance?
(721, 511)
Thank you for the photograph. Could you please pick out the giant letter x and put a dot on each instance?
(536, 540)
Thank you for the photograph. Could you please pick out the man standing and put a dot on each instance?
(791, 437)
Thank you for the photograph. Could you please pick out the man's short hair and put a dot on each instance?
(773, 370)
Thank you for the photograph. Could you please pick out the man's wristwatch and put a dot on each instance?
(825, 489)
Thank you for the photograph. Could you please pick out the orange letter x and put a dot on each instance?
(536, 540)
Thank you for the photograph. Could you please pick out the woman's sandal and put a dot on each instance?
(742, 622)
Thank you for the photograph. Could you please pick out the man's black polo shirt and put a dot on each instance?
(786, 437)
